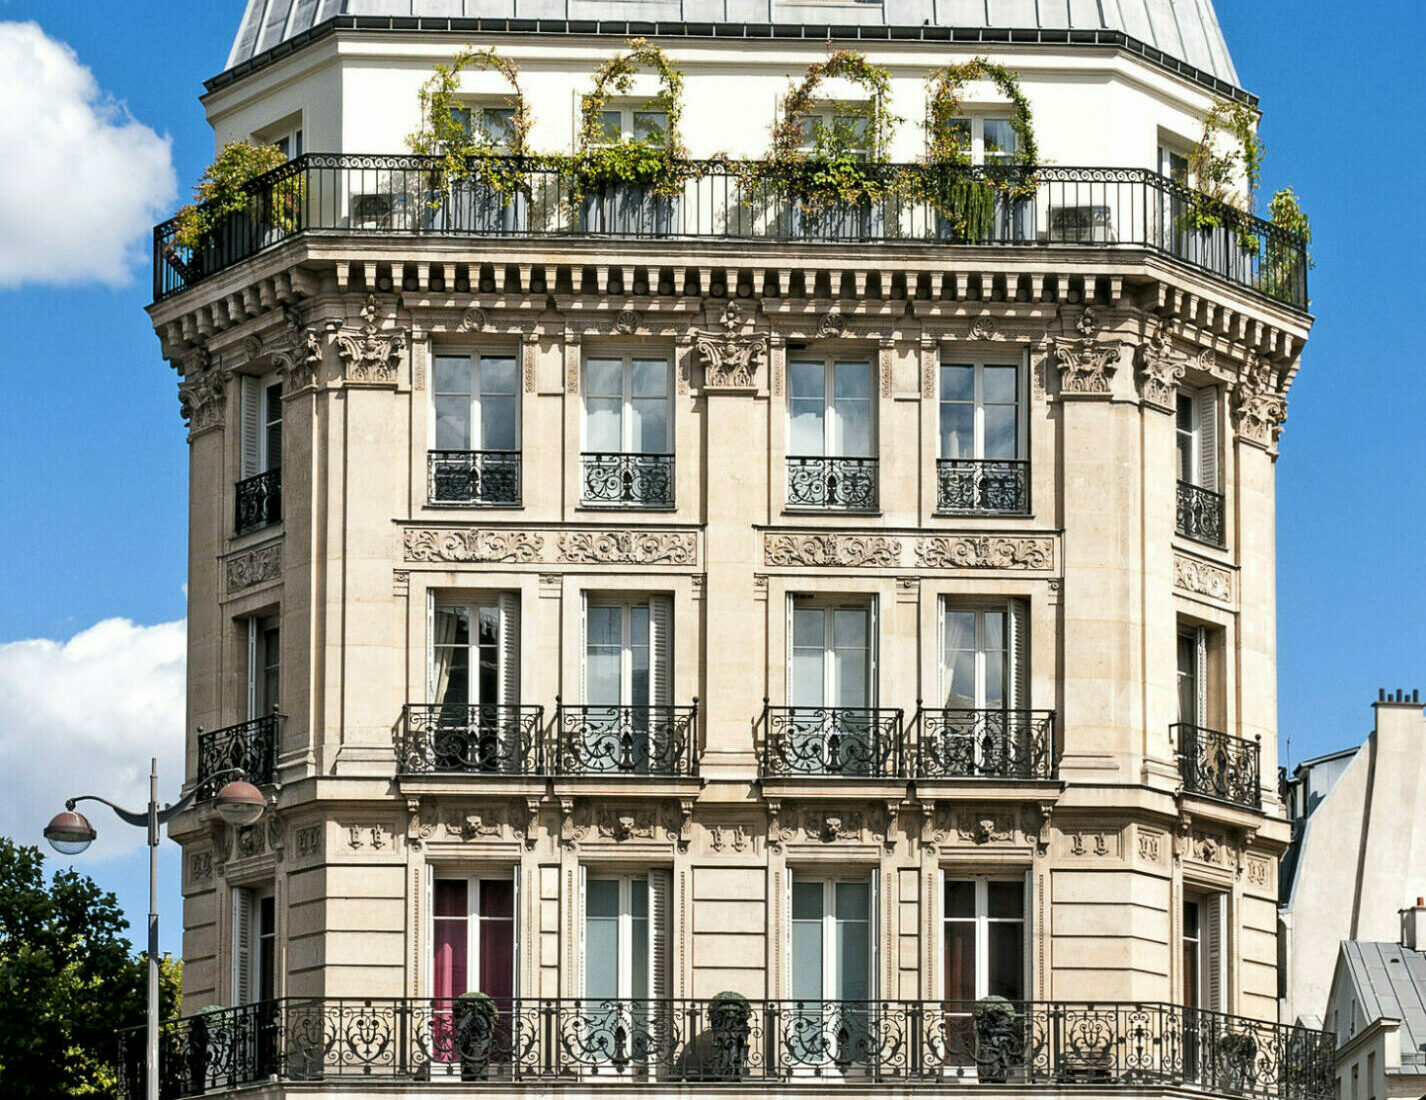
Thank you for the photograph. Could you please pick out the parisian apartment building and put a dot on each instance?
(757, 573)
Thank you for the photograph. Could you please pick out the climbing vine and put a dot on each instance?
(847, 161)
(465, 149)
(1217, 172)
(222, 192)
(659, 162)
(965, 198)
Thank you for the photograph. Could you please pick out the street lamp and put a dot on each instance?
(239, 803)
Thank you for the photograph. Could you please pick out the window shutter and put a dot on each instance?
(583, 647)
(660, 933)
(1214, 911)
(1206, 413)
(874, 933)
(1018, 647)
(509, 670)
(1200, 676)
(580, 921)
(242, 947)
(787, 934)
(515, 931)
(661, 651)
(1028, 951)
(251, 439)
(873, 635)
(254, 628)
(431, 646)
(788, 693)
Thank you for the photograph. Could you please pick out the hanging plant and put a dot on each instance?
(1215, 173)
(222, 193)
(962, 194)
(659, 162)
(465, 150)
(1288, 248)
(846, 163)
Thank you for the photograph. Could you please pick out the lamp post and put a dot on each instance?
(69, 833)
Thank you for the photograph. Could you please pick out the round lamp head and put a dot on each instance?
(240, 803)
(69, 833)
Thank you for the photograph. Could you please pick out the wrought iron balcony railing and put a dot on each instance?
(1199, 515)
(491, 739)
(251, 746)
(258, 501)
(627, 740)
(848, 484)
(955, 743)
(982, 486)
(473, 477)
(1049, 1045)
(857, 742)
(1218, 765)
(1104, 209)
(627, 480)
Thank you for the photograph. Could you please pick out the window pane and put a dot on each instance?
(499, 124)
(650, 125)
(851, 429)
(959, 130)
(960, 961)
(999, 139)
(611, 125)
(1000, 384)
(957, 431)
(806, 433)
(650, 378)
(849, 628)
(650, 426)
(807, 380)
(1185, 413)
(960, 898)
(853, 901)
(1007, 959)
(851, 380)
(994, 658)
(806, 901)
(450, 899)
(851, 669)
(601, 898)
(957, 383)
(807, 669)
(497, 375)
(452, 374)
(1000, 441)
(452, 423)
(1005, 899)
(603, 429)
(639, 937)
(807, 939)
(604, 378)
(499, 418)
(489, 655)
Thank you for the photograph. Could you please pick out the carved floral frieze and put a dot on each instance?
(1001, 552)
(424, 544)
(831, 550)
(437, 544)
(1202, 578)
(730, 358)
(252, 568)
(368, 354)
(986, 552)
(628, 547)
(593, 821)
(1086, 363)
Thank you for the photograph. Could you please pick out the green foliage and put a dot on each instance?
(1288, 248)
(68, 980)
(221, 192)
(659, 162)
(465, 150)
(1226, 176)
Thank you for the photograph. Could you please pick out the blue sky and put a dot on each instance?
(93, 468)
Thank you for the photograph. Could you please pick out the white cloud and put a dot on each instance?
(85, 716)
(83, 182)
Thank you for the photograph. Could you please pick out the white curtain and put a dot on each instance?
(443, 636)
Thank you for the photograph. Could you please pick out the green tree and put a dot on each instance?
(68, 979)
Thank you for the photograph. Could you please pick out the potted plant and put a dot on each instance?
(475, 1016)
(998, 1046)
(230, 219)
(729, 1016)
(1237, 1055)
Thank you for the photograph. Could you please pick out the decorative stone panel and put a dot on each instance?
(1202, 578)
(251, 568)
(1034, 553)
(548, 546)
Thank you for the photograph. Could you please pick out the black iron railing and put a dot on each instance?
(625, 480)
(826, 1044)
(250, 746)
(1219, 765)
(985, 486)
(832, 741)
(1199, 514)
(258, 501)
(473, 477)
(956, 743)
(488, 739)
(1104, 209)
(849, 484)
(627, 740)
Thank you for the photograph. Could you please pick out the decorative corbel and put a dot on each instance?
(567, 836)
(532, 811)
(774, 824)
(685, 823)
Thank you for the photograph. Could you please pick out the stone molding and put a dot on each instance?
(523, 547)
(201, 392)
(1202, 578)
(1087, 363)
(1259, 407)
(848, 550)
(1035, 553)
(253, 567)
(1159, 369)
(369, 356)
(730, 358)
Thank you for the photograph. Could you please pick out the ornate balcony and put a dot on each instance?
(1070, 208)
(852, 742)
(258, 502)
(437, 738)
(1200, 514)
(627, 740)
(1217, 765)
(251, 746)
(413, 1044)
(987, 487)
(619, 480)
(844, 484)
(473, 477)
(986, 744)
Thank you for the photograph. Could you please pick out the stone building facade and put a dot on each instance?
(865, 623)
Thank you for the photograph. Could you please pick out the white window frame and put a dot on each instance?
(1016, 688)
(1212, 947)
(831, 970)
(475, 358)
(626, 110)
(660, 609)
(976, 117)
(827, 605)
(982, 921)
(289, 131)
(978, 403)
(1201, 436)
(829, 365)
(259, 660)
(626, 357)
(660, 886)
(507, 609)
(475, 111)
(473, 923)
(247, 938)
(1199, 673)
(261, 406)
(825, 112)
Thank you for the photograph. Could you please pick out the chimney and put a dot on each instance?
(1413, 926)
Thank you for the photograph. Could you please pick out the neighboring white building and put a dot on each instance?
(1377, 1009)
(1358, 852)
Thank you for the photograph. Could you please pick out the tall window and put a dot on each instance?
(831, 939)
(981, 440)
(991, 141)
(477, 402)
(264, 645)
(628, 651)
(1192, 676)
(831, 654)
(261, 425)
(475, 652)
(985, 656)
(831, 437)
(628, 431)
(254, 945)
(473, 936)
(1203, 954)
(831, 726)
(1197, 437)
(625, 931)
(847, 120)
(984, 938)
